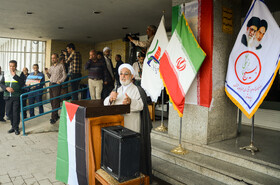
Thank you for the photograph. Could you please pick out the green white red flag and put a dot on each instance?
(71, 163)
(180, 63)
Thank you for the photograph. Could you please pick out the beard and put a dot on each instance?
(256, 43)
(125, 82)
(250, 40)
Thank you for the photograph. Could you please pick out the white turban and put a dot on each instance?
(128, 66)
(106, 48)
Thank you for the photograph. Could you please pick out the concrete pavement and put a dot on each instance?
(29, 159)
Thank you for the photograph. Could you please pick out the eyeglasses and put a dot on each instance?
(125, 74)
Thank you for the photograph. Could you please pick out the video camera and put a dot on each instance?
(134, 36)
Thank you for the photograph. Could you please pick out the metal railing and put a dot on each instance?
(40, 92)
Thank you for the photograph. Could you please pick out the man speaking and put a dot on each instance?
(138, 119)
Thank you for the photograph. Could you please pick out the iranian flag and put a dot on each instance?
(71, 148)
(180, 63)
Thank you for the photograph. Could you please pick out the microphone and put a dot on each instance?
(115, 90)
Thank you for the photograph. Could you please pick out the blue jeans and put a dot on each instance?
(32, 100)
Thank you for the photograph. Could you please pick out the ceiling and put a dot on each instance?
(78, 20)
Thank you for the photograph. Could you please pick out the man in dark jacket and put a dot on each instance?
(12, 83)
(97, 75)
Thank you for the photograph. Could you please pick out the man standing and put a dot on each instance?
(2, 101)
(138, 67)
(57, 75)
(12, 83)
(151, 31)
(74, 60)
(97, 74)
(36, 96)
(138, 119)
(107, 88)
(119, 61)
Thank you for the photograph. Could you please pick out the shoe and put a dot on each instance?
(17, 132)
(11, 130)
(52, 121)
(2, 120)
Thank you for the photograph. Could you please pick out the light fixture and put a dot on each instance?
(60, 27)
(40, 37)
(89, 37)
(96, 12)
(12, 28)
(124, 28)
(29, 13)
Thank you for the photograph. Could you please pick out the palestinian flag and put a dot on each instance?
(180, 63)
(71, 162)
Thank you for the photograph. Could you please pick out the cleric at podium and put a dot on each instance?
(138, 119)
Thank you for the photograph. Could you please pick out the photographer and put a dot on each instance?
(151, 31)
(74, 60)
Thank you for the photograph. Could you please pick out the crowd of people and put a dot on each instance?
(103, 79)
(116, 85)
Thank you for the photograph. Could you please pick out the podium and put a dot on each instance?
(94, 117)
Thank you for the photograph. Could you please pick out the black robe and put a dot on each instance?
(145, 131)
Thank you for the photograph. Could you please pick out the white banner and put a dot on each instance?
(254, 60)
(151, 81)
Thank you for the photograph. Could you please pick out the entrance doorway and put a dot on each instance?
(268, 114)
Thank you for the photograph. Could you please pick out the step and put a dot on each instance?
(219, 170)
(175, 174)
(240, 160)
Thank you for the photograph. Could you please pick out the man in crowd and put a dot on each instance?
(138, 119)
(107, 88)
(97, 75)
(64, 87)
(138, 67)
(151, 31)
(119, 61)
(2, 101)
(24, 98)
(57, 75)
(74, 60)
(36, 96)
(12, 83)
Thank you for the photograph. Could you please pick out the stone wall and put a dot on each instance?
(117, 47)
(206, 125)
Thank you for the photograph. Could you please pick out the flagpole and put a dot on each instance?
(239, 121)
(251, 147)
(162, 128)
(179, 149)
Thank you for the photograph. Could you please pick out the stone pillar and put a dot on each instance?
(203, 125)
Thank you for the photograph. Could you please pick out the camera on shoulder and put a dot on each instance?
(134, 36)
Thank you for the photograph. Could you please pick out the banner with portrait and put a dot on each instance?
(254, 60)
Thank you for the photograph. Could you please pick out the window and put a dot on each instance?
(25, 52)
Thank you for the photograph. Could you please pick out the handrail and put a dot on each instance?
(44, 101)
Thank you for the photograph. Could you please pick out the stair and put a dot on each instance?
(210, 163)
(178, 175)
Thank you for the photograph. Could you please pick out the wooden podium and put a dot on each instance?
(98, 116)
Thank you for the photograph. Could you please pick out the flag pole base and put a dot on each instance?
(251, 148)
(161, 128)
(179, 150)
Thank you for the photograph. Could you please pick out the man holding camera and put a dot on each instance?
(151, 31)
(74, 60)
